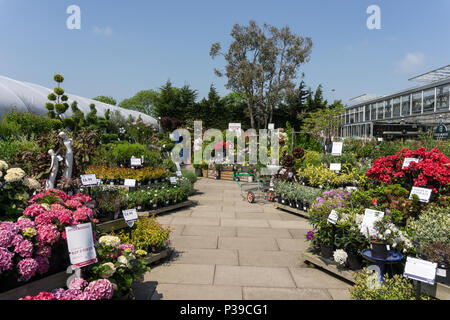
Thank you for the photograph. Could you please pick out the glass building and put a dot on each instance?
(405, 113)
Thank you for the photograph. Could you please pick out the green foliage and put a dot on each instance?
(24, 124)
(433, 225)
(120, 153)
(106, 99)
(189, 175)
(57, 105)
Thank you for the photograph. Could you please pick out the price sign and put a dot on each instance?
(408, 161)
(88, 180)
(370, 217)
(271, 126)
(337, 148)
(80, 243)
(136, 162)
(420, 270)
(179, 174)
(178, 166)
(130, 183)
(335, 166)
(130, 216)
(173, 180)
(424, 194)
(333, 217)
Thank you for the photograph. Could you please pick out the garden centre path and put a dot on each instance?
(226, 248)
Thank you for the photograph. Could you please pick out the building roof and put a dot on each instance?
(29, 97)
(441, 73)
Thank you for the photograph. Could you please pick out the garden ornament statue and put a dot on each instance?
(54, 166)
(68, 159)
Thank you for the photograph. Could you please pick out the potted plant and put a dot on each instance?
(439, 252)
(198, 170)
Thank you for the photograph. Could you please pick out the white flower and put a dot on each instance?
(373, 281)
(110, 241)
(340, 256)
(3, 165)
(14, 174)
(110, 272)
(31, 183)
(123, 260)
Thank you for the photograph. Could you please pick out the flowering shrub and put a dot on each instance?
(317, 176)
(26, 245)
(340, 256)
(433, 225)
(79, 289)
(15, 190)
(144, 174)
(430, 172)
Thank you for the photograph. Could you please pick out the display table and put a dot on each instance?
(393, 257)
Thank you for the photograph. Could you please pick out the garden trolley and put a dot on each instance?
(253, 188)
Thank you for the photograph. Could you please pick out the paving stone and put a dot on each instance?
(247, 243)
(196, 292)
(316, 278)
(195, 242)
(181, 274)
(262, 232)
(288, 224)
(299, 233)
(206, 208)
(256, 215)
(196, 221)
(290, 216)
(244, 223)
(269, 258)
(297, 245)
(253, 276)
(209, 231)
(251, 208)
(164, 219)
(205, 256)
(339, 294)
(284, 294)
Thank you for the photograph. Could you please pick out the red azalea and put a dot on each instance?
(374, 201)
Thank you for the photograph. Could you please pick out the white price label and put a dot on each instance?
(424, 194)
(283, 171)
(178, 166)
(335, 166)
(173, 180)
(179, 174)
(136, 162)
(80, 243)
(337, 148)
(370, 217)
(441, 272)
(420, 270)
(408, 161)
(333, 217)
(130, 183)
(351, 189)
(130, 215)
(271, 126)
(89, 180)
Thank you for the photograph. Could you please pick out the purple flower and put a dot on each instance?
(27, 268)
(78, 284)
(43, 264)
(24, 224)
(123, 247)
(24, 249)
(9, 226)
(59, 293)
(17, 240)
(310, 235)
(5, 259)
(100, 290)
(6, 238)
(72, 294)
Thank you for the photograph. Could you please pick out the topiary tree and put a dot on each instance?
(57, 104)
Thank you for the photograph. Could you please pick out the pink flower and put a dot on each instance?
(78, 283)
(123, 247)
(83, 214)
(27, 268)
(24, 224)
(24, 249)
(34, 210)
(6, 238)
(43, 264)
(17, 240)
(9, 226)
(72, 203)
(45, 218)
(57, 206)
(100, 290)
(5, 259)
(47, 234)
(64, 216)
(44, 251)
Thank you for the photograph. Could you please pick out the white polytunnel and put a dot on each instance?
(29, 97)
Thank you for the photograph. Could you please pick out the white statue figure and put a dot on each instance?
(50, 184)
(68, 159)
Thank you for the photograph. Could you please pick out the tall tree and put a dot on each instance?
(262, 63)
(106, 99)
(321, 123)
(143, 101)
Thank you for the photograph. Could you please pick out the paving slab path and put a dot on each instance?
(226, 248)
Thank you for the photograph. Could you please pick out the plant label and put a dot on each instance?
(130, 216)
(271, 126)
(235, 127)
(136, 162)
(80, 243)
(333, 217)
(424, 194)
(370, 217)
(337, 148)
(179, 174)
(130, 183)
(380, 139)
(178, 166)
(408, 161)
(283, 171)
(441, 272)
(335, 166)
(88, 180)
(173, 180)
(351, 189)
(420, 270)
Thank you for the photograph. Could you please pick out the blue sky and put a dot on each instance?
(127, 46)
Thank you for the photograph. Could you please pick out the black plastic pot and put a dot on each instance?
(298, 204)
(326, 251)
(198, 172)
(379, 250)
(292, 204)
(305, 205)
(354, 262)
(279, 199)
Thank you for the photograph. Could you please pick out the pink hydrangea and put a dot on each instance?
(100, 290)
(24, 224)
(47, 234)
(72, 294)
(44, 251)
(17, 240)
(24, 249)
(83, 198)
(6, 238)
(45, 218)
(72, 203)
(83, 214)
(43, 264)
(41, 296)
(123, 247)
(59, 293)
(57, 206)
(5, 259)
(9, 226)
(27, 267)
(64, 216)
(78, 283)
(34, 210)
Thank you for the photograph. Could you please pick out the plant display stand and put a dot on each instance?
(152, 258)
(328, 265)
(227, 175)
(290, 209)
(57, 280)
